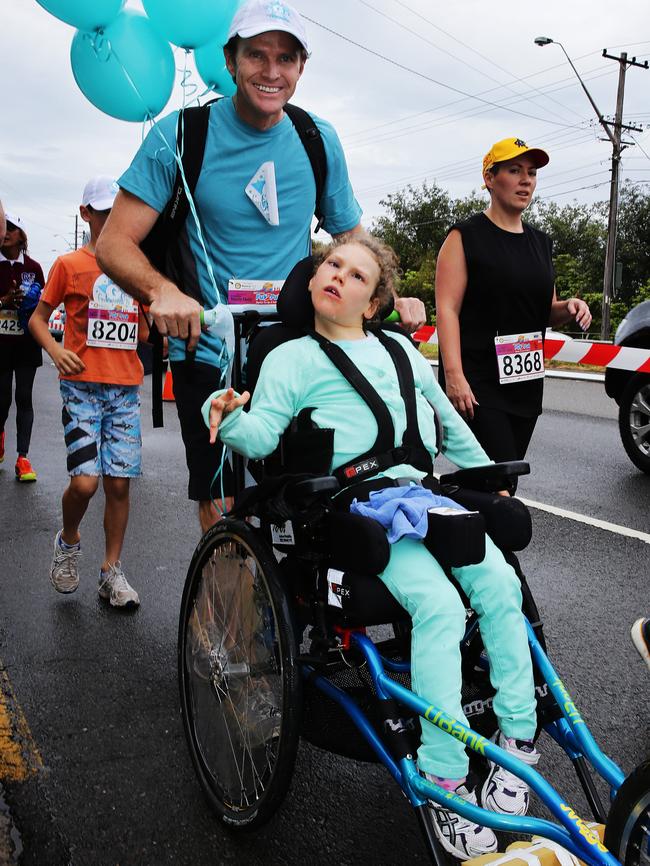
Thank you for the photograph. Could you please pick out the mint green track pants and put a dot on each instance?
(421, 586)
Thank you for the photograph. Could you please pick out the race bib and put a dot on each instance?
(260, 295)
(9, 324)
(112, 327)
(520, 357)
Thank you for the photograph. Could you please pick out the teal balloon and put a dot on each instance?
(211, 67)
(127, 71)
(84, 14)
(190, 23)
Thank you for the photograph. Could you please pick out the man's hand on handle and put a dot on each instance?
(411, 312)
(177, 315)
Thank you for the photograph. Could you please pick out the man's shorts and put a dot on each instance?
(193, 384)
(101, 424)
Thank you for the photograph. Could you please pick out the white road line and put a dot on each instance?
(590, 521)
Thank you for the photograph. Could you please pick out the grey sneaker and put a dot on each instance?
(64, 571)
(115, 587)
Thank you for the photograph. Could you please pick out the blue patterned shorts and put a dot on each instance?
(101, 424)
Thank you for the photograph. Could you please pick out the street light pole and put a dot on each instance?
(617, 149)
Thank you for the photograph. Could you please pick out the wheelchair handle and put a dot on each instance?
(488, 478)
(312, 488)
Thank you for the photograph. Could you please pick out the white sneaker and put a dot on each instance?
(640, 633)
(503, 791)
(459, 836)
(64, 571)
(115, 587)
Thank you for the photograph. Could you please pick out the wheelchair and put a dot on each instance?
(273, 647)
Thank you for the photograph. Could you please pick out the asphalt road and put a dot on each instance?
(97, 692)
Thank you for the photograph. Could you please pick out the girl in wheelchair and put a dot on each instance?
(351, 282)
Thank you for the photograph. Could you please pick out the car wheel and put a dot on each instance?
(634, 421)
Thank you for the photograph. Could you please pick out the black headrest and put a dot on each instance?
(294, 301)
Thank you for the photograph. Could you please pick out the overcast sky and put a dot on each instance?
(399, 111)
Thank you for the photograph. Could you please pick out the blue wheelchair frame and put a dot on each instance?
(570, 732)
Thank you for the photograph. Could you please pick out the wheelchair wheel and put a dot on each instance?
(627, 834)
(240, 686)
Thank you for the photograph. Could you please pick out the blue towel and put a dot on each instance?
(402, 511)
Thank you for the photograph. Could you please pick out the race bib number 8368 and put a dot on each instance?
(520, 357)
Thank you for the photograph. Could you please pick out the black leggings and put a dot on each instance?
(24, 409)
(502, 435)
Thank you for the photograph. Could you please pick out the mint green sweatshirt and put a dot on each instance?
(298, 374)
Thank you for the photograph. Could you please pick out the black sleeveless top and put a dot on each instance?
(510, 280)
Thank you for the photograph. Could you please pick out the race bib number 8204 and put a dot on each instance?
(112, 328)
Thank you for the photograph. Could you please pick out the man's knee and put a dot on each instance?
(209, 514)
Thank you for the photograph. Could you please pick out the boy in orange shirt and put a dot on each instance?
(100, 375)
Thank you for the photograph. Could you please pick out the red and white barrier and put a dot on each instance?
(576, 352)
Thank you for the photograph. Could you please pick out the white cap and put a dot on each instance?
(263, 16)
(14, 219)
(100, 192)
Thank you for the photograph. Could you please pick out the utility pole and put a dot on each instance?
(76, 229)
(618, 146)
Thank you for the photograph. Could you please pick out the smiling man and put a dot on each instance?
(255, 198)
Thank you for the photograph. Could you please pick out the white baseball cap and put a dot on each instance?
(262, 16)
(14, 219)
(100, 192)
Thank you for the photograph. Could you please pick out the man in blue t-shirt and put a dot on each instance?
(255, 198)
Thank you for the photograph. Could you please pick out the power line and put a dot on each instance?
(433, 80)
(488, 60)
(419, 36)
(438, 121)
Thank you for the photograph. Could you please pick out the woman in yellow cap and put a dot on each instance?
(495, 297)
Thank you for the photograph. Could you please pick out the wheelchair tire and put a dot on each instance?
(240, 686)
(627, 834)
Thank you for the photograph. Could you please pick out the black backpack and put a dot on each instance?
(162, 245)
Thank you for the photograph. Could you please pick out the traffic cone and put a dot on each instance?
(168, 387)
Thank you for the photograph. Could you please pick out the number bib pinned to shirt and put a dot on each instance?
(520, 357)
(9, 324)
(111, 327)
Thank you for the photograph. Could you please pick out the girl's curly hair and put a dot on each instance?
(384, 255)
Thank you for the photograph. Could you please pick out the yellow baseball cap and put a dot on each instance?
(509, 148)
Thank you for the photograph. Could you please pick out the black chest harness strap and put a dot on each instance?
(384, 453)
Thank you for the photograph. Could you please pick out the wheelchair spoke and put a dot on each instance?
(235, 674)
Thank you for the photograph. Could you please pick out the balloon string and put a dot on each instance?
(177, 155)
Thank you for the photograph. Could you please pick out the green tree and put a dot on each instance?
(415, 224)
(633, 241)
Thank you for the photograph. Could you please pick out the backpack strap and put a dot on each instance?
(312, 141)
(161, 246)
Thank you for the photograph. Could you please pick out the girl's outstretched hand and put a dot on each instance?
(222, 406)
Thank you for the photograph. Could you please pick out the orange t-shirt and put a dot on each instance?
(75, 280)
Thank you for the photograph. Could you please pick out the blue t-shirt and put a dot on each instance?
(240, 242)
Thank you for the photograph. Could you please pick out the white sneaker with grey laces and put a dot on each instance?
(503, 791)
(115, 587)
(459, 836)
(64, 571)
